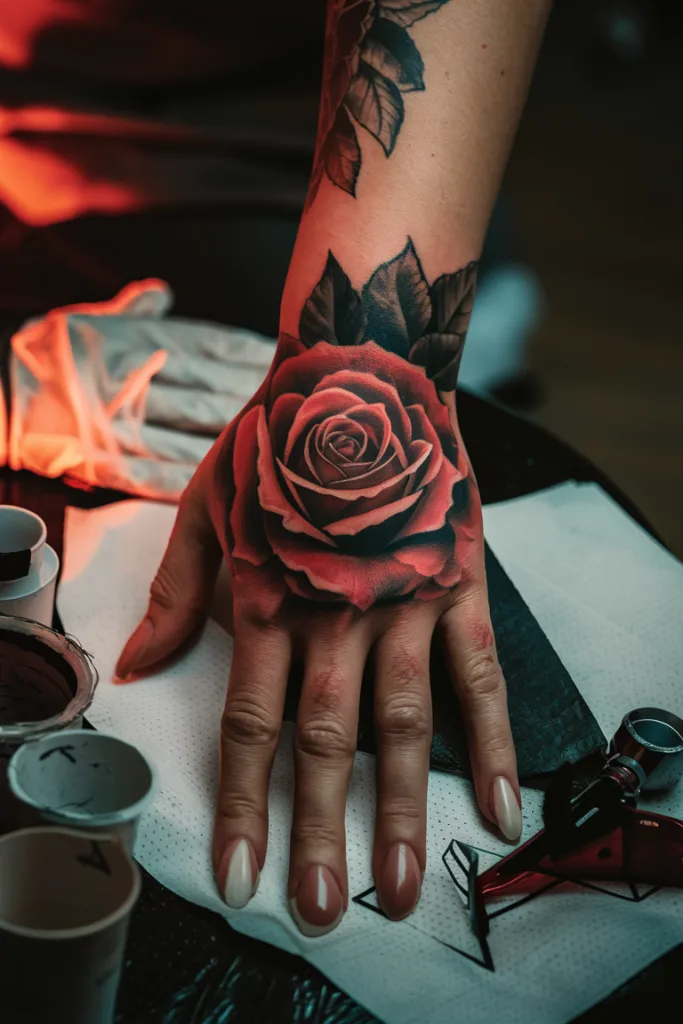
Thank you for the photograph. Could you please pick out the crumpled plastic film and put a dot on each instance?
(119, 395)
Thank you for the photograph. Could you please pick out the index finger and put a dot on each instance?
(250, 728)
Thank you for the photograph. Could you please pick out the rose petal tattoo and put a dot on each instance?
(343, 481)
(371, 61)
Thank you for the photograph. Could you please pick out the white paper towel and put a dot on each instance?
(609, 599)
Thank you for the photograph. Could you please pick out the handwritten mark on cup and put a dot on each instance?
(65, 750)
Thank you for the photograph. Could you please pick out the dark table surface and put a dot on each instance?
(186, 965)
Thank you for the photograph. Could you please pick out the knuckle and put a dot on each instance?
(498, 744)
(401, 810)
(338, 623)
(316, 831)
(324, 739)
(470, 578)
(261, 619)
(238, 807)
(165, 591)
(404, 719)
(246, 723)
(482, 678)
(168, 594)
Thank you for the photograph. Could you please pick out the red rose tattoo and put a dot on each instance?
(343, 480)
(343, 476)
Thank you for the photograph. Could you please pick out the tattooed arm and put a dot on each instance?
(342, 496)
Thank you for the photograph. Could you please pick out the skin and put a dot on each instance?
(437, 187)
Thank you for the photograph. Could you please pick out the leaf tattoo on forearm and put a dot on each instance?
(370, 62)
(343, 481)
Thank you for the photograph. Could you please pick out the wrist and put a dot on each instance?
(397, 306)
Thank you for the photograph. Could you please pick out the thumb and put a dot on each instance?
(182, 588)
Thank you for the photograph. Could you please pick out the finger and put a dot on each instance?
(181, 591)
(324, 747)
(471, 654)
(403, 715)
(249, 733)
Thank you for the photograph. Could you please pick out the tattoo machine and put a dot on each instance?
(593, 828)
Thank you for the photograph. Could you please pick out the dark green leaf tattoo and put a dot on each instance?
(407, 12)
(391, 52)
(333, 311)
(370, 63)
(397, 302)
(398, 309)
(343, 152)
(452, 297)
(376, 104)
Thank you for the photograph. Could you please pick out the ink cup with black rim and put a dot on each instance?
(28, 566)
(47, 682)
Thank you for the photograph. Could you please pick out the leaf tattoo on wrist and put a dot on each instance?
(343, 481)
(371, 61)
(397, 308)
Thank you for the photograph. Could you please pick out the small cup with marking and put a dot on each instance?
(65, 902)
(85, 780)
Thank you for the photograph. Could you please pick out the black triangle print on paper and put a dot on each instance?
(460, 859)
(480, 954)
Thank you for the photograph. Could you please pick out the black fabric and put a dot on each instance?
(551, 722)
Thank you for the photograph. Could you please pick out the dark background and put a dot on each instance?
(594, 184)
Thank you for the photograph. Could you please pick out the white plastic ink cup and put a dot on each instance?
(47, 682)
(65, 902)
(28, 566)
(86, 780)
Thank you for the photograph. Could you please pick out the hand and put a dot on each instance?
(343, 500)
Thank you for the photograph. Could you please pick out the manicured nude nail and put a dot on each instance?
(241, 876)
(400, 881)
(318, 906)
(506, 809)
(134, 650)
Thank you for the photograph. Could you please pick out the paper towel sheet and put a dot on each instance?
(609, 599)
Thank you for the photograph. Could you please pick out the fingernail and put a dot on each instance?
(400, 881)
(134, 650)
(318, 906)
(241, 876)
(506, 809)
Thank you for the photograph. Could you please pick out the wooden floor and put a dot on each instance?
(595, 185)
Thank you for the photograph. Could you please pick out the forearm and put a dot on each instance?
(425, 115)
(345, 480)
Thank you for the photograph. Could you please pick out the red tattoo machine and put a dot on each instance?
(593, 828)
